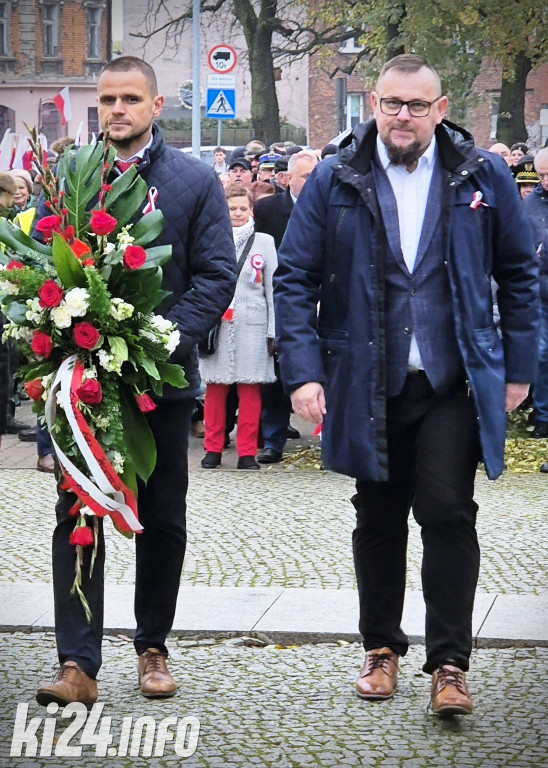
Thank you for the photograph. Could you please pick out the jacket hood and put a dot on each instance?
(456, 145)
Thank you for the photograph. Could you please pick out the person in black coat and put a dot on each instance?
(201, 277)
(272, 216)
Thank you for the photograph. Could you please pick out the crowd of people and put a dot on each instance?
(354, 286)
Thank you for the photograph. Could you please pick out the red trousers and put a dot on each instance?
(249, 418)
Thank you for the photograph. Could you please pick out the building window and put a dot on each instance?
(93, 124)
(94, 32)
(495, 101)
(50, 21)
(4, 28)
(354, 109)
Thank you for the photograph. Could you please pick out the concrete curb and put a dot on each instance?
(288, 616)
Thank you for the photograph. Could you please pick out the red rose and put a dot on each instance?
(34, 389)
(82, 535)
(48, 225)
(51, 294)
(86, 335)
(15, 265)
(134, 257)
(146, 403)
(79, 248)
(91, 392)
(42, 344)
(102, 223)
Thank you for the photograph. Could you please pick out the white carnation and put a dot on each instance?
(76, 301)
(109, 247)
(61, 316)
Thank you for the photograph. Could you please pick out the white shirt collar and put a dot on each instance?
(140, 154)
(427, 157)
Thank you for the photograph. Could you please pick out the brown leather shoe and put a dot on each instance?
(377, 679)
(70, 684)
(154, 678)
(450, 694)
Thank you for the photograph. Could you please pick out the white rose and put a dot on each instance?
(61, 316)
(76, 301)
(173, 341)
(161, 324)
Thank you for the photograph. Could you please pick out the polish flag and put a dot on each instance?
(62, 102)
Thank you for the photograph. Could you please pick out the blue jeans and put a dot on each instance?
(540, 392)
(43, 441)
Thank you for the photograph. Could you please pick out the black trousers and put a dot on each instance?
(433, 453)
(159, 549)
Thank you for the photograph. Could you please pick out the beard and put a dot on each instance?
(403, 155)
(128, 141)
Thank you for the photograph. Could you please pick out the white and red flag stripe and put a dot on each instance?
(62, 102)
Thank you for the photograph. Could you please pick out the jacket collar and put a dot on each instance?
(151, 152)
(455, 145)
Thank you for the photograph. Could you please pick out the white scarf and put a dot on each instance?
(241, 235)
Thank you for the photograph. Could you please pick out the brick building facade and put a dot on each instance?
(325, 120)
(45, 46)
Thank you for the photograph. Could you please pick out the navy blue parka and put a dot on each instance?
(334, 252)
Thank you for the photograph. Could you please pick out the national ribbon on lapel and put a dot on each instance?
(151, 201)
(257, 262)
(477, 200)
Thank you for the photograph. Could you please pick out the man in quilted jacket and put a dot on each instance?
(201, 279)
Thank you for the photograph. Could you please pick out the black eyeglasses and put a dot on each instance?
(416, 107)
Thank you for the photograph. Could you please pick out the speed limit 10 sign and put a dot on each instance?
(222, 59)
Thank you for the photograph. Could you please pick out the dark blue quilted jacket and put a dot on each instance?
(201, 273)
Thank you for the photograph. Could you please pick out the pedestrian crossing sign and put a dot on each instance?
(221, 103)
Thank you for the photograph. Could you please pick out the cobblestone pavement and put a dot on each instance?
(295, 707)
(283, 528)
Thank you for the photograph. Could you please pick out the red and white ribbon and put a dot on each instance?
(257, 262)
(104, 492)
(476, 200)
(151, 202)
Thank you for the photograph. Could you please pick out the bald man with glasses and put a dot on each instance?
(395, 240)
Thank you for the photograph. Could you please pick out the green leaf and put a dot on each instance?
(150, 367)
(172, 374)
(118, 347)
(139, 439)
(126, 208)
(82, 172)
(148, 228)
(69, 267)
(157, 256)
(17, 240)
(16, 312)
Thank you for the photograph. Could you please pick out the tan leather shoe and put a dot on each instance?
(155, 681)
(378, 678)
(45, 463)
(70, 684)
(450, 694)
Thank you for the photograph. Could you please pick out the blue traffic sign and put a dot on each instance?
(221, 103)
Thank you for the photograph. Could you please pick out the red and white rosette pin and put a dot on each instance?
(257, 262)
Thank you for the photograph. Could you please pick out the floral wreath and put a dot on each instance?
(80, 308)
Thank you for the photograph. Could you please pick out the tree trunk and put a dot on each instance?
(265, 113)
(511, 118)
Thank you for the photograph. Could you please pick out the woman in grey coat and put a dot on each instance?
(245, 343)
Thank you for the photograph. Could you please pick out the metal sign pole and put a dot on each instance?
(219, 130)
(196, 141)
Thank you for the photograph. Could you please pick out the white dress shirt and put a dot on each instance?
(411, 193)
